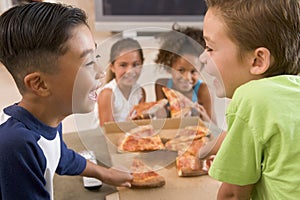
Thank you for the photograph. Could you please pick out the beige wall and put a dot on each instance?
(87, 6)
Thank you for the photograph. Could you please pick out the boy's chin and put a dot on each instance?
(220, 93)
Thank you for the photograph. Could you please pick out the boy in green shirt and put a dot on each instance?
(252, 51)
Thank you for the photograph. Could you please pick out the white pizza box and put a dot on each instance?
(163, 162)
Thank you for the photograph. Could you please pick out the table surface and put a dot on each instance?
(71, 187)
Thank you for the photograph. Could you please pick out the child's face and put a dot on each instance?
(127, 68)
(74, 86)
(220, 57)
(184, 74)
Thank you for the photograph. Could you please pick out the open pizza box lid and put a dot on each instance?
(162, 161)
(163, 123)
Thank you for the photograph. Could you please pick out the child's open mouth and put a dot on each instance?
(93, 95)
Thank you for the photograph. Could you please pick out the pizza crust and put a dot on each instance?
(153, 182)
(190, 165)
(144, 177)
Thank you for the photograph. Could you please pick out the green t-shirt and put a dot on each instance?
(262, 145)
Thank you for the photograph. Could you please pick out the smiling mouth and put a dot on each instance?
(185, 83)
(132, 76)
(93, 95)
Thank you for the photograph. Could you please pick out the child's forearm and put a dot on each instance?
(212, 147)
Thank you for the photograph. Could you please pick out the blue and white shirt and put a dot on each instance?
(30, 153)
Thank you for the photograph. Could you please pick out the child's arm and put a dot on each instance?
(105, 100)
(143, 99)
(159, 84)
(107, 175)
(212, 147)
(229, 191)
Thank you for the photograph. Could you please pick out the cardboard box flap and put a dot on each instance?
(164, 123)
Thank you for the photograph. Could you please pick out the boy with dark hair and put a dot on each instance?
(50, 52)
(252, 51)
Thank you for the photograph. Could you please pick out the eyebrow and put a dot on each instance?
(88, 51)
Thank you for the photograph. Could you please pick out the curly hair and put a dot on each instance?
(178, 42)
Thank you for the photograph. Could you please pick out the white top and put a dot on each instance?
(120, 105)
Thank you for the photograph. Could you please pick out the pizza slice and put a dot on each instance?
(180, 105)
(141, 138)
(191, 146)
(144, 176)
(190, 165)
(200, 130)
(190, 139)
(146, 109)
(195, 146)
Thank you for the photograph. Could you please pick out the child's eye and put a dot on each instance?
(137, 64)
(123, 64)
(207, 48)
(181, 70)
(194, 71)
(91, 63)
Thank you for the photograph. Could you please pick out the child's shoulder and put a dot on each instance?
(110, 85)
(272, 87)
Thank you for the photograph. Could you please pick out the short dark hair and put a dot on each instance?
(34, 35)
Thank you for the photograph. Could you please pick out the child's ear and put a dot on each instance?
(35, 83)
(112, 68)
(261, 61)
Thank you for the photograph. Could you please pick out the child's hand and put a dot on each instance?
(161, 113)
(200, 110)
(117, 177)
(111, 176)
(212, 147)
(132, 114)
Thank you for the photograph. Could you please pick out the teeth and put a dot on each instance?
(129, 76)
(93, 96)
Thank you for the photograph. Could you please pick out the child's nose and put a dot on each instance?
(100, 72)
(132, 68)
(129, 69)
(187, 76)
